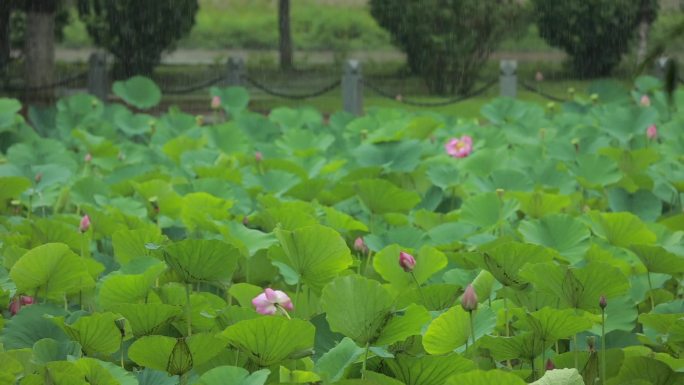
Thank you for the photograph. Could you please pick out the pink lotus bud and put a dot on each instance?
(459, 147)
(652, 132)
(258, 156)
(539, 76)
(26, 300)
(602, 302)
(360, 245)
(39, 177)
(88, 158)
(550, 365)
(215, 102)
(469, 298)
(406, 261)
(85, 224)
(645, 101)
(19, 301)
(270, 300)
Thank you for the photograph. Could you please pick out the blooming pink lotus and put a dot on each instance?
(459, 147)
(645, 101)
(406, 261)
(18, 302)
(85, 224)
(652, 132)
(469, 299)
(360, 245)
(270, 301)
(88, 158)
(215, 102)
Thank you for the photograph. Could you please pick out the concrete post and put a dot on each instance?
(508, 78)
(352, 87)
(98, 83)
(235, 72)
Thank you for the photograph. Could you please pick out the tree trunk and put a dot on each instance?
(285, 34)
(5, 10)
(642, 49)
(39, 50)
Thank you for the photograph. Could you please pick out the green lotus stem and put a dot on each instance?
(650, 289)
(603, 347)
(122, 353)
(472, 326)
(188, 309)
(297, 289)
(420, 289)
(576, 352)
(365, 358)
(543, 357)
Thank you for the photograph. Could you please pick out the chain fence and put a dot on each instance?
(284, 95)
(537, 91)
(60, 83)
(194, 87)
(373, 87)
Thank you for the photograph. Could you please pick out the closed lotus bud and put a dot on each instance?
(645, 101)
(88, 158)
(576, 144)
(39, 177)
(652, 132)
(121, 325)
(500, 193)
(550, 365)
(258, 156)
(85, 224)
(406, 261)
(594, 98)
(360, 245)
(93, 103)
(215, 102)
(469, 299)
(602, 302)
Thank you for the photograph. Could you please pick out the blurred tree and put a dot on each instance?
(5, 45)
(595, 34)
(285, 34)
(648, 11)
(39, 47)
(447, 42)
(137, 34)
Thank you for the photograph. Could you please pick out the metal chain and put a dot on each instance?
(455, 100)
(279, 94)
(542, 93)
(56, 84)
(198, 86)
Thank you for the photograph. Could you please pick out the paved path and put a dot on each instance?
(204, 56)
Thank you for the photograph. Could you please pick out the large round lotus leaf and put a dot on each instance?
(429, 370)
(97, 333)
(381, 196)
(175, 355)
(51, 270)
(428, 262)
(479, 377)
(30, 326)
(271, 340)
(147, 318)
(105, 372)
(568, 235)
(332, 365)
(317, 254)
(451, 330)
(233, 375)
(138, 91)
(12, 187)
(198, 260)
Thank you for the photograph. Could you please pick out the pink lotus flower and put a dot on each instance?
(85, 224)
(18, 302)
(652, 132)
(360, 245)
(406, 261)
(215, 102)
(459, 147)
(645, 101)
(88, 158)
(258, 156)
(469, 299)
(539, 76)
(270, 301)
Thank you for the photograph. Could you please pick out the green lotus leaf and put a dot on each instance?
(138, 91)
(233, 99)
(48, 350)
(522, 346)
(147, 318)
(642, 203)
(12, 187)
(51, 270)
(658, 260)
(248, 240)
(443, 174)
(199, 209)
(57, 373)
(451, 329)
(8, 112)
(332, 365)
(317, 254)
(155, 377)
(402, 156)
(357, 307)
(578, 288)
(621, 229)
(122, 289)
(130, 244)
(487, 210)
(381, 196)
(270, 340)
(176, 356)
(232, 375)
(105, 373)
(504, 261)
(198, 260)
(97, 333)
(539, 204)
(550, 324)
(647, 369)
(429, 261)
(30, 326)
(404, 324)
(560, 377)
(595, 170)
(480, 377)
(558, 231)
(428, 370)
(10, 368)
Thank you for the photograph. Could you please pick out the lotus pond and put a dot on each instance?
(292, 248)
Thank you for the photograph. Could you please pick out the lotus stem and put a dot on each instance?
(188, 308)
(472, 326)
(650, 289)
(420, 289)
(297, 290)
(603, 347)
(576, 352)
(365, 358)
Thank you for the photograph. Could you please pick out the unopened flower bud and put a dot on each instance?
(258, 156)
(360, 245)
(85, 224)
(406, 261)
(469, 299)
(550, 365)
(39, 177)
(602, 302)
(645, 101)
(88, 158)
(215, 102)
